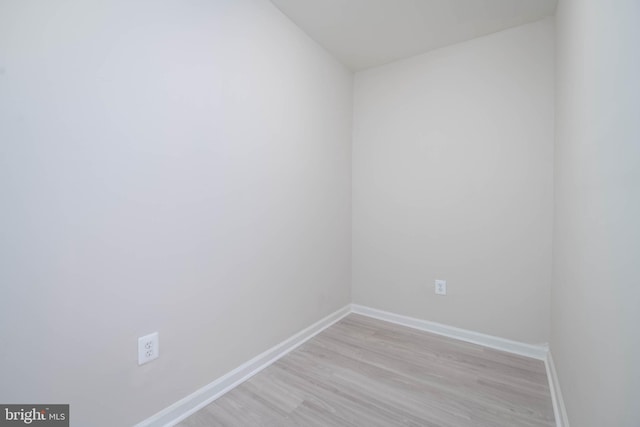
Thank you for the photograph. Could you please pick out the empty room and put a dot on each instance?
(320, 213)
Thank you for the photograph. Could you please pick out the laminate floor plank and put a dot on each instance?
(364, 372)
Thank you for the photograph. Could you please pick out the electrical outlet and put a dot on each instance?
(441, 287)
(148, 348)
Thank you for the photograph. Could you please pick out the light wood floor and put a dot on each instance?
(366, 372)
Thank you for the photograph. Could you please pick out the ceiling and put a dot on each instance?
(367, 33)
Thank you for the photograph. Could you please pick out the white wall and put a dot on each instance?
(595, 337)
(452, 179)
(172, 166)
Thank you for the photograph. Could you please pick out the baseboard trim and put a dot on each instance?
(556, 395)
(187, 406)
(529, 350)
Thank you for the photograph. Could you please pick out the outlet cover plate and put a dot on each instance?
(441, 287)
(148, 348)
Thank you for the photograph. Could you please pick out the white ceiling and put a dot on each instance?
(366, 33)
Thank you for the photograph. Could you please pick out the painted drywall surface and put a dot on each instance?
(595, 312)
(172, 166)
(368, 33)
(452, 179)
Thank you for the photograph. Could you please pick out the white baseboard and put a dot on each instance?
(185, 407)
(528, 350)
(556, 395)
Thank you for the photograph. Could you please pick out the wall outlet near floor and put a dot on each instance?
(148, 348)
(441, 287)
